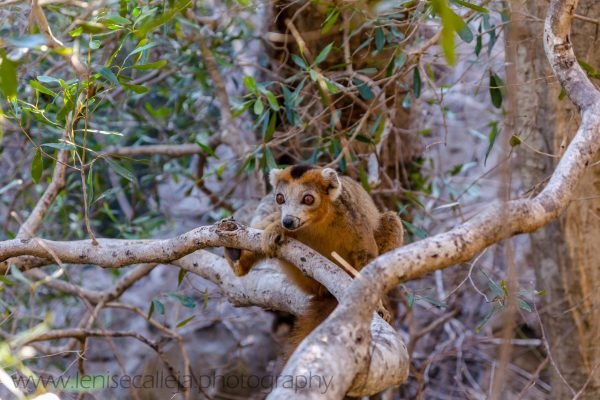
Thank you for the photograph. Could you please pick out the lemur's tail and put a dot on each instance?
(319, 308)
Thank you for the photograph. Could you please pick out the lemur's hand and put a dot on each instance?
(240, 261)
(273, 237)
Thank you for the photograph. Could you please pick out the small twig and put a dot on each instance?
(549, 352)
(587, 382)
(533, 379)
(350, 270)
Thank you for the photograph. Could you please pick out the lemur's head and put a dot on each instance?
(304, 194)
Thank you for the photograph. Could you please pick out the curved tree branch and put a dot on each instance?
(345, 331)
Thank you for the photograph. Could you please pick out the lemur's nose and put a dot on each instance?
(288, 222)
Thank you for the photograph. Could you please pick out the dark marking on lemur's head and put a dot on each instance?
(298, 170)
(306, 177)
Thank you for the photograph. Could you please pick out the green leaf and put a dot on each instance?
(377, 127)
(108, 75)
(331, 87)
(181, 275)
(92, 27)
(562, 94)
(270, 160)
(523, 305)
(186, 301)
(41, 88)
(473, 7)
(367, 71)
(8, 77)
(379, 38)
(49, 79)
(259, 107)
(76, 32)
(299, 61)
(323, 54)
(139, 49)
(465, 34)
(416, 82)
(155, 65)
(184, 322)
(5, 281)
(455, 170)
(496, 85)
(330, 20)
(451, 23)
(589, 70)
(479, 41)
(270, 128)
(434, 302)
(491, 41)
(491, 139)
(273, 103)
(168, 14)
(207, 150)
(364, 90)
(240, 109)
(107, 194)
(117, 20)
(250, 84)
(121, 170)
(139, 89)
(493, 310)
(399, 61)
(156, 305)
(37, 166)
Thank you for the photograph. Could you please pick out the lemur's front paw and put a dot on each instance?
(272, 239)
(240, 261)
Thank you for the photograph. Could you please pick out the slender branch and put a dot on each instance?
(171, 150)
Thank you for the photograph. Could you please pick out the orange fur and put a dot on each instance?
(343, 218)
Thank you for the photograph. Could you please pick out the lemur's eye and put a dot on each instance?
(279, 198)
(308, 199)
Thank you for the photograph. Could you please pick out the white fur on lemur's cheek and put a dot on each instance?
(273, 176)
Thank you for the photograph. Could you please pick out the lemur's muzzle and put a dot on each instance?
(291, 223)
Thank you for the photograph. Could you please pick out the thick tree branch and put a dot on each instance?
(263, 286)
(559, 50)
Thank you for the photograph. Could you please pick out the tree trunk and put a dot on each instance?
(564, 253)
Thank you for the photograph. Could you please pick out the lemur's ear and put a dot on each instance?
(334, 185)
(274, 176)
